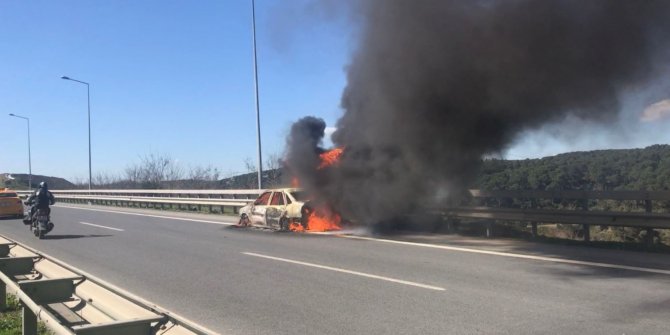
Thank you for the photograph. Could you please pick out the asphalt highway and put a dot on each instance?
(251, 281)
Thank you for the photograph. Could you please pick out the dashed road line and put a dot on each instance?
(356, 273)
(513, 255)
(100, 226)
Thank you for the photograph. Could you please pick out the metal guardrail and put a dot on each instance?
(621, 219)
(195, 193)
(158, 200)
(573, 194)
(223, 199)
(70, 301)
(581, 216)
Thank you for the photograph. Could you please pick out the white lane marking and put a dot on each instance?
(513, 255)
(153, 216)
(362, 274)
(99, 226)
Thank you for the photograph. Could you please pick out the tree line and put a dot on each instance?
(161, 171)
(645, 169)
(600, 170)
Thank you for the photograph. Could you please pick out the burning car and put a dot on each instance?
(277, 209)
(288, 209)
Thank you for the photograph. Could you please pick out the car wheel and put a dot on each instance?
(244, 221)
(283, 224)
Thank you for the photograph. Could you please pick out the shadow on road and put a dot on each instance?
(577, 273)
(65, 237)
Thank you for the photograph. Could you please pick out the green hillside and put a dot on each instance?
(626, 169)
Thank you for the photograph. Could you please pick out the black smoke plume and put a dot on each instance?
(304, 148)
(435, 85)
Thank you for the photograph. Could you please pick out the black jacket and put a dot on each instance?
(42, 198)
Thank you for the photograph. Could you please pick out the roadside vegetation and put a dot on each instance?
(10, 319)
(602, 170)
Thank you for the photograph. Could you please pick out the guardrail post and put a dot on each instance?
(533, 229)
(586, 228)
(3, 296)
(451, 224)
(29, 322)
(587, 232)
(649, 237)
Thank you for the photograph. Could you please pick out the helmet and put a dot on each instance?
(43, 184)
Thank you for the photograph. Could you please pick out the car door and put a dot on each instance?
(275, 210)
(260, 208)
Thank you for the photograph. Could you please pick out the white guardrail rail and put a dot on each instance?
(69, 301)
(232, 199)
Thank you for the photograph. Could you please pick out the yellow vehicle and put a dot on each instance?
(10, 204)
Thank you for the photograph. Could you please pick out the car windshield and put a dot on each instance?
(8, 195)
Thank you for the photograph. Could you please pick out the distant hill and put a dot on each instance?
(621, 169)
(19, 181)
(271, 179)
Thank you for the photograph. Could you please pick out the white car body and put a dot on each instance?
(274, 209)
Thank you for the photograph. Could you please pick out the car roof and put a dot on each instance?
(6, 190)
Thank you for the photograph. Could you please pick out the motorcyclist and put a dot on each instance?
(40, 199)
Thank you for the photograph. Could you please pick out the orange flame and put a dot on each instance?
(329, 158)
(296, 227)
(319, 221)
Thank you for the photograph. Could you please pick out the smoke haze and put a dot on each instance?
(436, 85)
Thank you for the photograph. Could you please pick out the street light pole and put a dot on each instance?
(258, 113)
(88, 96)
(30, 164)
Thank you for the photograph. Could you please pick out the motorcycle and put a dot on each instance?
(40, 222)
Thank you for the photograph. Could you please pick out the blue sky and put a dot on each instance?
(171, 77)
(176, 77)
